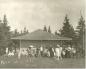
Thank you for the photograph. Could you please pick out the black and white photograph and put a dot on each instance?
(42, 34)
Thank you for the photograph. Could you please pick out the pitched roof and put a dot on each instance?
(39, 35)
(62, 38)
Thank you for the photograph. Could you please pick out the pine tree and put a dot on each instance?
(81, 32)
(5, 32)
(5, 20)
(45, 29)
(1, 30)
(49, 30)
(25, 30)
(56, 33)
(67, 30)
(6, 28)
(21, 32)
(16, 33)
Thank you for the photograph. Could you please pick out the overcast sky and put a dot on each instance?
(34, 14)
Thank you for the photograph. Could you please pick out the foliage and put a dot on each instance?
(49, 30)
(45, 29)
(16, 33)
(67, 30)
(4, 32)
(5, 35)
(25, 31)
(56, 33)
(80, 34)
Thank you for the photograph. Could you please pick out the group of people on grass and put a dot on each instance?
(57, 51)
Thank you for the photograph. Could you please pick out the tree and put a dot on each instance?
(25, 31)
(49, 30)
(5, 29)
(21, 32)
(16, 33)
(45, 29)
(67, 30)
(81, 32)
(5, 34)
(56, 33)
(5, 20)
(1, 31)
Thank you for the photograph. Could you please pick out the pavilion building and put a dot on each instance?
(40, 38)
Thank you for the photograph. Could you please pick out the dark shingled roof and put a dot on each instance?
(40, 35)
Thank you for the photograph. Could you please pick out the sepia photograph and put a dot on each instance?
(42, 34)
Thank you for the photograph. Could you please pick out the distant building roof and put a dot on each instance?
(40, 35)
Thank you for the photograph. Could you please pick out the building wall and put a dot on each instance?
(25, 43)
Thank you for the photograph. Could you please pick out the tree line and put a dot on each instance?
(78, 35)
(6, 34)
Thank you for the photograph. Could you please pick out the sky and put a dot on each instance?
(34, 14)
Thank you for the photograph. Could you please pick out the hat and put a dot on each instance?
(31, 46)
(58, 45)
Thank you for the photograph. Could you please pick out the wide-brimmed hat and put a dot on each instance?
(58, 45)
(31, 46)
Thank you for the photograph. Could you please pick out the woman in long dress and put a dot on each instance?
(51, 52)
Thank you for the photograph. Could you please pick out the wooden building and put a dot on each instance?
(40, 38)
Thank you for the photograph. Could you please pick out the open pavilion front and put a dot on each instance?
(40, 38)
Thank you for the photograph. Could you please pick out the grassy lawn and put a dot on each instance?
(43, 62)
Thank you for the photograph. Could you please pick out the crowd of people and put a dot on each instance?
(58, 52)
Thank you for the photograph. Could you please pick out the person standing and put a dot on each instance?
(41, 51)
(51, 52)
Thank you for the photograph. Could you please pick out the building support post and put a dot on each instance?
(41, 42)
(61, 43)
(71, 43)
(19, 53)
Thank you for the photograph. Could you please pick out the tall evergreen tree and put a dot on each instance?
(5, 32)
(16, 33)
(81, 32)
(5, 20)
(1, 30)
(21, 32)
(67, 30)
(6, 28)
(56, 33)
(45, 29)
(25, 30)
(49, 30)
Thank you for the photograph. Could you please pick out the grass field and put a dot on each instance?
(44, 62)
